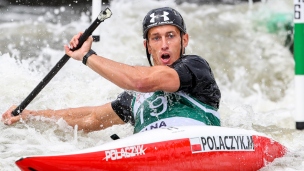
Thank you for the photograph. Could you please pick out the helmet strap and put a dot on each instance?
(182, 49)
(147, 53)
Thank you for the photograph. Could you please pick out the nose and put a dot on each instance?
(165, 43)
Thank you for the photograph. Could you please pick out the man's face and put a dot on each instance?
(164, 44)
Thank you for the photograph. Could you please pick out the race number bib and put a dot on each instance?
(160, 109)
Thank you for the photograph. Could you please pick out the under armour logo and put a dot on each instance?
(165, 15)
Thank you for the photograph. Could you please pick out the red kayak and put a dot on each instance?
(179, 148)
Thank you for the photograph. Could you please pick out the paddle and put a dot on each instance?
(105, 14)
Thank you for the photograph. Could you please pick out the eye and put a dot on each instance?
(170, 35)
(155, 38)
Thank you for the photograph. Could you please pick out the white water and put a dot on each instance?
(253, 69)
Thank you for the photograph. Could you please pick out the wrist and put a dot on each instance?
(25, 114)
(85, 58)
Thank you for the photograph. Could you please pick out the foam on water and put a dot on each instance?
(253, 69)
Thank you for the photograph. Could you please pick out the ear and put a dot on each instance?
(145, 43)
(185, 40)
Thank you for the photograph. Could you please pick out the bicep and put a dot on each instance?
(106, 116)
(100, 117)
(163, 78)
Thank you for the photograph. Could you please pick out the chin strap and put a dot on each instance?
(147, 53)
(181, 51)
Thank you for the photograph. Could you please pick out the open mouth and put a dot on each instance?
(165, 56)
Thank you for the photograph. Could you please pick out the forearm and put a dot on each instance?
(122, 75)
(86, 118)
(137, 78)
(69, 114)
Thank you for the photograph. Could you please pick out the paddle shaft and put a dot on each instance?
(88, 32)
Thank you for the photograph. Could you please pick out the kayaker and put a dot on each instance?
(176, 90)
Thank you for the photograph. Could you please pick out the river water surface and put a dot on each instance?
(254, 69)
